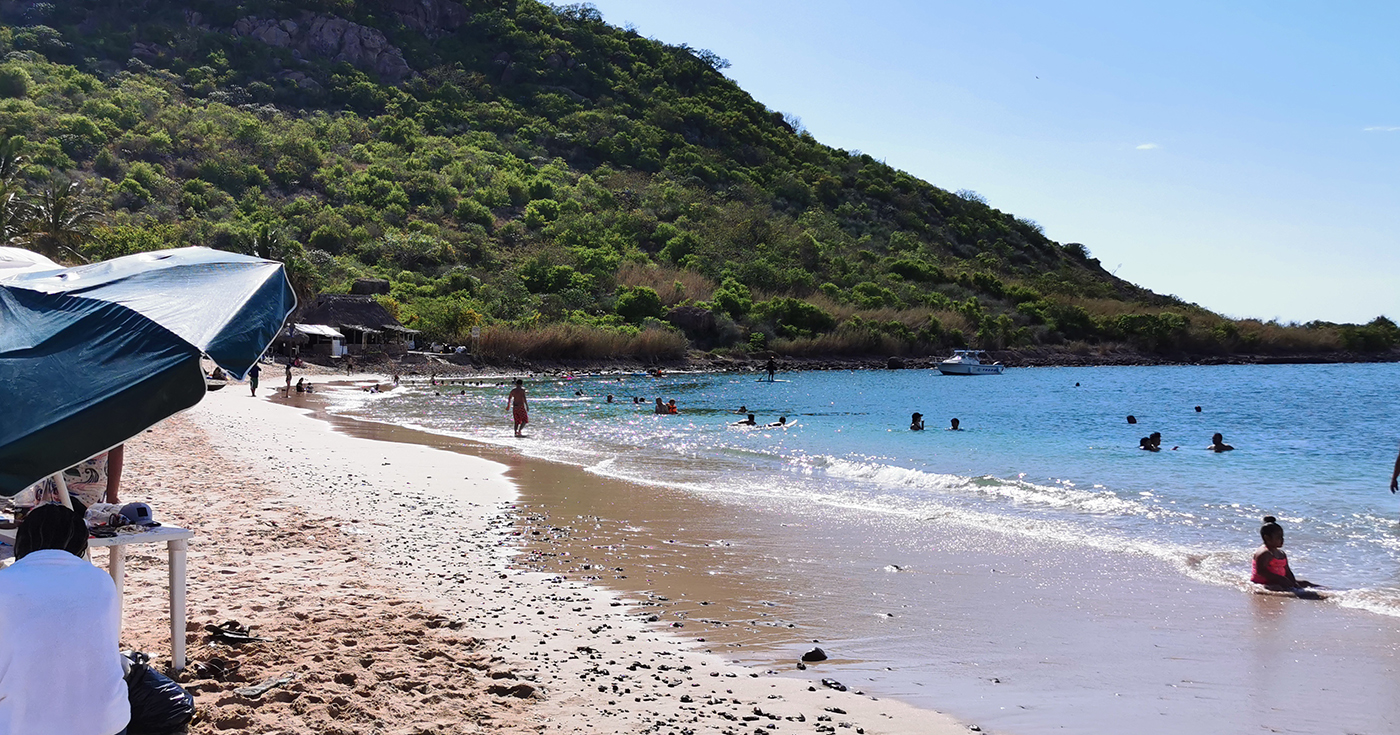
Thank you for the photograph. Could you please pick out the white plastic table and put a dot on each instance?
(176, 544)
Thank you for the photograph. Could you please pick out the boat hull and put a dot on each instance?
(965, 369)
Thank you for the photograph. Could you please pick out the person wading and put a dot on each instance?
(519, 406)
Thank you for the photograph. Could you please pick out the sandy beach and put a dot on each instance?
(385, 578)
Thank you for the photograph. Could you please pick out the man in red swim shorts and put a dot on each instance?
(518, 406)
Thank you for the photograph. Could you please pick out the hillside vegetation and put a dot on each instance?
(574, 187)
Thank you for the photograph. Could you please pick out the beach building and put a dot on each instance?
(353, 323)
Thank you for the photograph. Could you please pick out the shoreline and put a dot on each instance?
(971, 574)
(565, 644)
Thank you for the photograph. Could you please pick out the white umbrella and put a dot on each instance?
(14, 261)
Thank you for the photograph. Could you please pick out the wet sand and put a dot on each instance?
(1003, 631)
(401, 522)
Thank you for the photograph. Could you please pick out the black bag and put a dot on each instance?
(158, 705)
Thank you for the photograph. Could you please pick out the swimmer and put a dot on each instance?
(660, 406)
(1271, 564)
(1217, 443)
(1198, 409)
(746, 422)
(1132, 419)
(742, 410)
(954, 426)
(671, 406)
(1146, 445)
(781, 422)
(916, 422)
(609, 398)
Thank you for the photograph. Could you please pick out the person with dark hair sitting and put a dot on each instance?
(60, 618)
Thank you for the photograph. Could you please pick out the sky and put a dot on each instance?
(1244, 156)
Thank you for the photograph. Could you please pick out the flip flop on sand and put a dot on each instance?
(232, 631)
(257, 690)
(214, 668)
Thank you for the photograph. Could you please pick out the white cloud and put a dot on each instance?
(1383, 129)
(1148, 146)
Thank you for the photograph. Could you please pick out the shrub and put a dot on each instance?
(917, 270)
(794, 318)
(1379, 335)
(678, 247)
(540, 213)
(636, 304)
(733, 298)
(470, 211)
(14, 81)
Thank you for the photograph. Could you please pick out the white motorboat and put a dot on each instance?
(969, 362)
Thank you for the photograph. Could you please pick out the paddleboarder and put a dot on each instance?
(772, 368)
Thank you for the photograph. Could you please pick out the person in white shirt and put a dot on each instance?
(60, 618)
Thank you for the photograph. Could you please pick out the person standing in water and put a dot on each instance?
(1271, 564)
(1395, 476)
(916, 422)
(1217, 443)
(954, 426)
(519, 406)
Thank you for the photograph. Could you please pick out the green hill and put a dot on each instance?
(576, 188)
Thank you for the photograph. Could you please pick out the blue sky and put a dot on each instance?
(1241, 155)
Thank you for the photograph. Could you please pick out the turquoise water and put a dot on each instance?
(1044, 452)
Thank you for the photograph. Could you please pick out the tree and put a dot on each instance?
(14, 215)
(11, 161)
(268, 242)
(61, 220)
(636, 304)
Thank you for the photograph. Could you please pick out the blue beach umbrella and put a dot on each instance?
(93, 355)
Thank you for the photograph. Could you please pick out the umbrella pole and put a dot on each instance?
(62, 491)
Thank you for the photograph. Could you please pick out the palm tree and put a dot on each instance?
(14, 215)
(10, 159)
(60, 221)
(268, 242)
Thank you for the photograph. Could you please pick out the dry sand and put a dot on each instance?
(382, 574)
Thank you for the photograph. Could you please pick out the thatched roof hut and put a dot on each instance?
(360, 318)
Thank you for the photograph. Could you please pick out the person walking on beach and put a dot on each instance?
(289, 376)
(253, 378)
(518, 406)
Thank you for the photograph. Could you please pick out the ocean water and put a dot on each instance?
(1044, 453)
